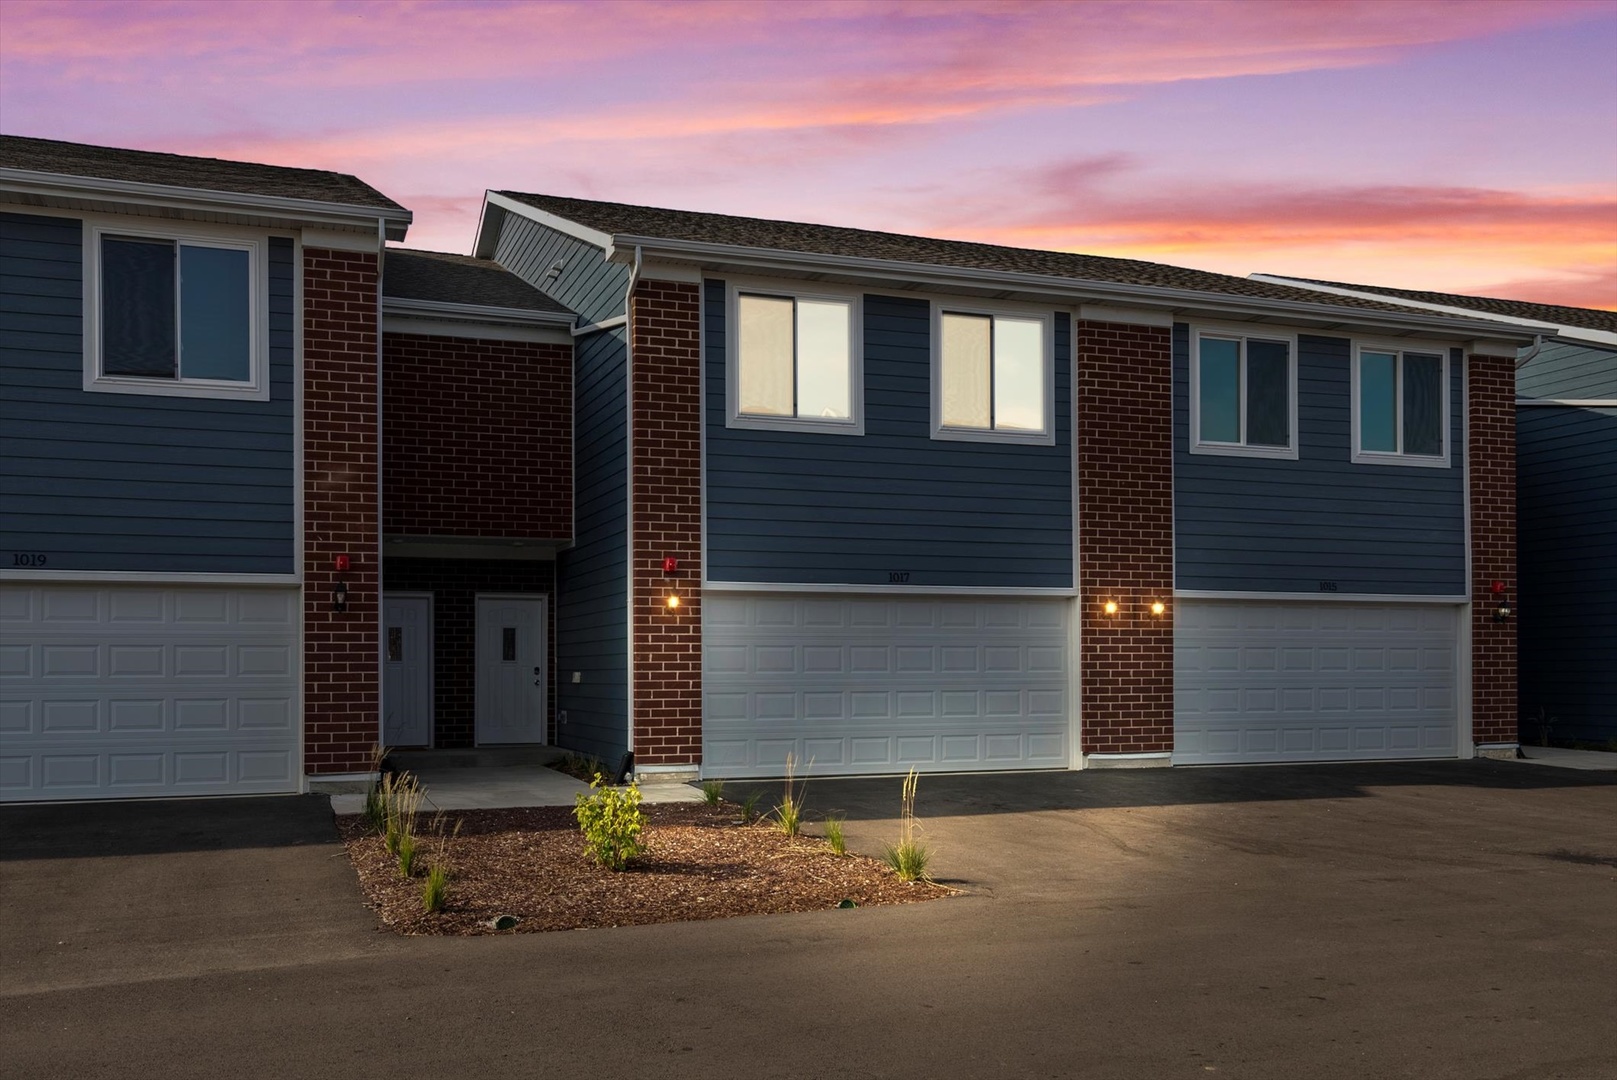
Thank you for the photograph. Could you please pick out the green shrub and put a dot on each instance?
(749, 807)
(435, 889)
(909, 857)
(712, 792)
(579, 766)
(789, 814)
(400, 795)
(833, 835)
(406, 854)
(611, 821)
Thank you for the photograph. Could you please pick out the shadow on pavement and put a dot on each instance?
(950, 795)
(149, 827)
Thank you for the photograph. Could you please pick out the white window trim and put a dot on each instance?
(1381, 457)
(1241, 449)
(734, 417)
(256, 244)
(1046, 317)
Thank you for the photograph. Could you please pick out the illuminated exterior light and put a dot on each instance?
(672, 601)
(1158, 608)
(1110, 607)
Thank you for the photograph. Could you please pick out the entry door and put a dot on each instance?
(510, 669)
(407, 670)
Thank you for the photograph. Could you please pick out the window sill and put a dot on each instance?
(1014, 438)
(798, 424)
(1272, 453)
(176, 388)
(1404, 460)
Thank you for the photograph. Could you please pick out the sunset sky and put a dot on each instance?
(1461, 146)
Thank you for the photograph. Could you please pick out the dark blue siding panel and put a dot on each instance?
(1566, 520)
(1562, 370)
(796, 507)
(592, 607)
(1264, 525)
(587, 283)
(126, 482)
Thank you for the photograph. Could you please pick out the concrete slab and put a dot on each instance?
(496, 787)
(1591, 760)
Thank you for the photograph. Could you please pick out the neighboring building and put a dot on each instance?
(1566, 477)
(273, 495)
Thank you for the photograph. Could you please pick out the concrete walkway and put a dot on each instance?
(1591, 760)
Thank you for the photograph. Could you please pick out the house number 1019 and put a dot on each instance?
(27, 558)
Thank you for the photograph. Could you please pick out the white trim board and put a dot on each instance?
(1572, 403)
(1328, 597)
(474, 331)
(146, 577)
(886, 590)
(533, 213)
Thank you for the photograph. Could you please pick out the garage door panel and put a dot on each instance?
(1312, 682)
(877, 685)
(118, 692)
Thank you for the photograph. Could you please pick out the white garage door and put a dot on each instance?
(1257, 681)
(878, 685)
(120, 692)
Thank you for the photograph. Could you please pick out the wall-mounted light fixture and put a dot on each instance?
(339, 597)
(1158, 609)
(1109, 608)
(672, 601)
(1501, 610)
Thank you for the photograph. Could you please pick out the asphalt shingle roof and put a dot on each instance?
(179, 170)
(408, 274)
(793, 236)
(1586, 318)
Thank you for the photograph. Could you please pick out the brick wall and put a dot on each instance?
(454, 584)
(1124, 396)
(341, 697)
(477, 437)
(1491, 438)
(666, 507)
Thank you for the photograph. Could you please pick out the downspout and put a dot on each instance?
(1523, 360)
(381, 543)
(628, 491)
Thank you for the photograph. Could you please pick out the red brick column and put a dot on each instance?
(666, 508)
(1491, 444)
(341, 695)
(1124, 395)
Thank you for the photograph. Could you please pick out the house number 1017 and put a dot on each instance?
(897, 577)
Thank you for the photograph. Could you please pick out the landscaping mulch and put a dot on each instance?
(700, 862)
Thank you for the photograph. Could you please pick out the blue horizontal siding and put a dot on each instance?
(127, 482)
(587, 283)
(1265, 525)
(797, 507)
(1566, 521)
(1565, 371)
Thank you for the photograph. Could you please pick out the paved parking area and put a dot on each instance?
(1430, 920)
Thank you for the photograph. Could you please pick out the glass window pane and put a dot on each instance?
(395, 644)
(764, 349)
(1378, 402)
(965, 345)
(1018, 375)
(1220, 390)
(508, 644)
(824, 382)
(137, 307)
(215, 319)
(1268, 393)
(1423, 404)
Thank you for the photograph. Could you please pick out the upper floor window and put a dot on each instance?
(1400, 406)
(992, 376)
(174, 314)
(795, 362)
(1243, 394)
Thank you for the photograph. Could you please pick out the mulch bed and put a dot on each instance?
(700, 862)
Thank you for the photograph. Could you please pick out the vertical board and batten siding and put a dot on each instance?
(587, 283)
(1245, 524)
(1566, 371)
(1566, 507)
(592, 634)
(129, 482)
(816, 509)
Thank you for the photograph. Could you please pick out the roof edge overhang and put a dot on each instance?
(394, 221)
(1190, 303)
(1580, 334)
(496, 206)
(480, 313)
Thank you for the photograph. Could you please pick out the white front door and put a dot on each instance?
(407, 670)
(510, 669)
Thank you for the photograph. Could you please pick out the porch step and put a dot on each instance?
(484, 757)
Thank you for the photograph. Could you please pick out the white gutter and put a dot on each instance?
(395, 305)
(393, 221)
(1068, 289)
(1576, 333)
(605, 324)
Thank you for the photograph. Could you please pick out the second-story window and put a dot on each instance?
(1400, 407)
(992, 377)
(1243, 395)
(795, 363)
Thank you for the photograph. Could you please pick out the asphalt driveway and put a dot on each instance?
(1416, 920)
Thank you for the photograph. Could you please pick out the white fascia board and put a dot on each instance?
(342, 239)
(474, 331)
(1064, 290)
(533, 213)
(1573, 333)
(442, 309)
(28, 181)
(1127, 316)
